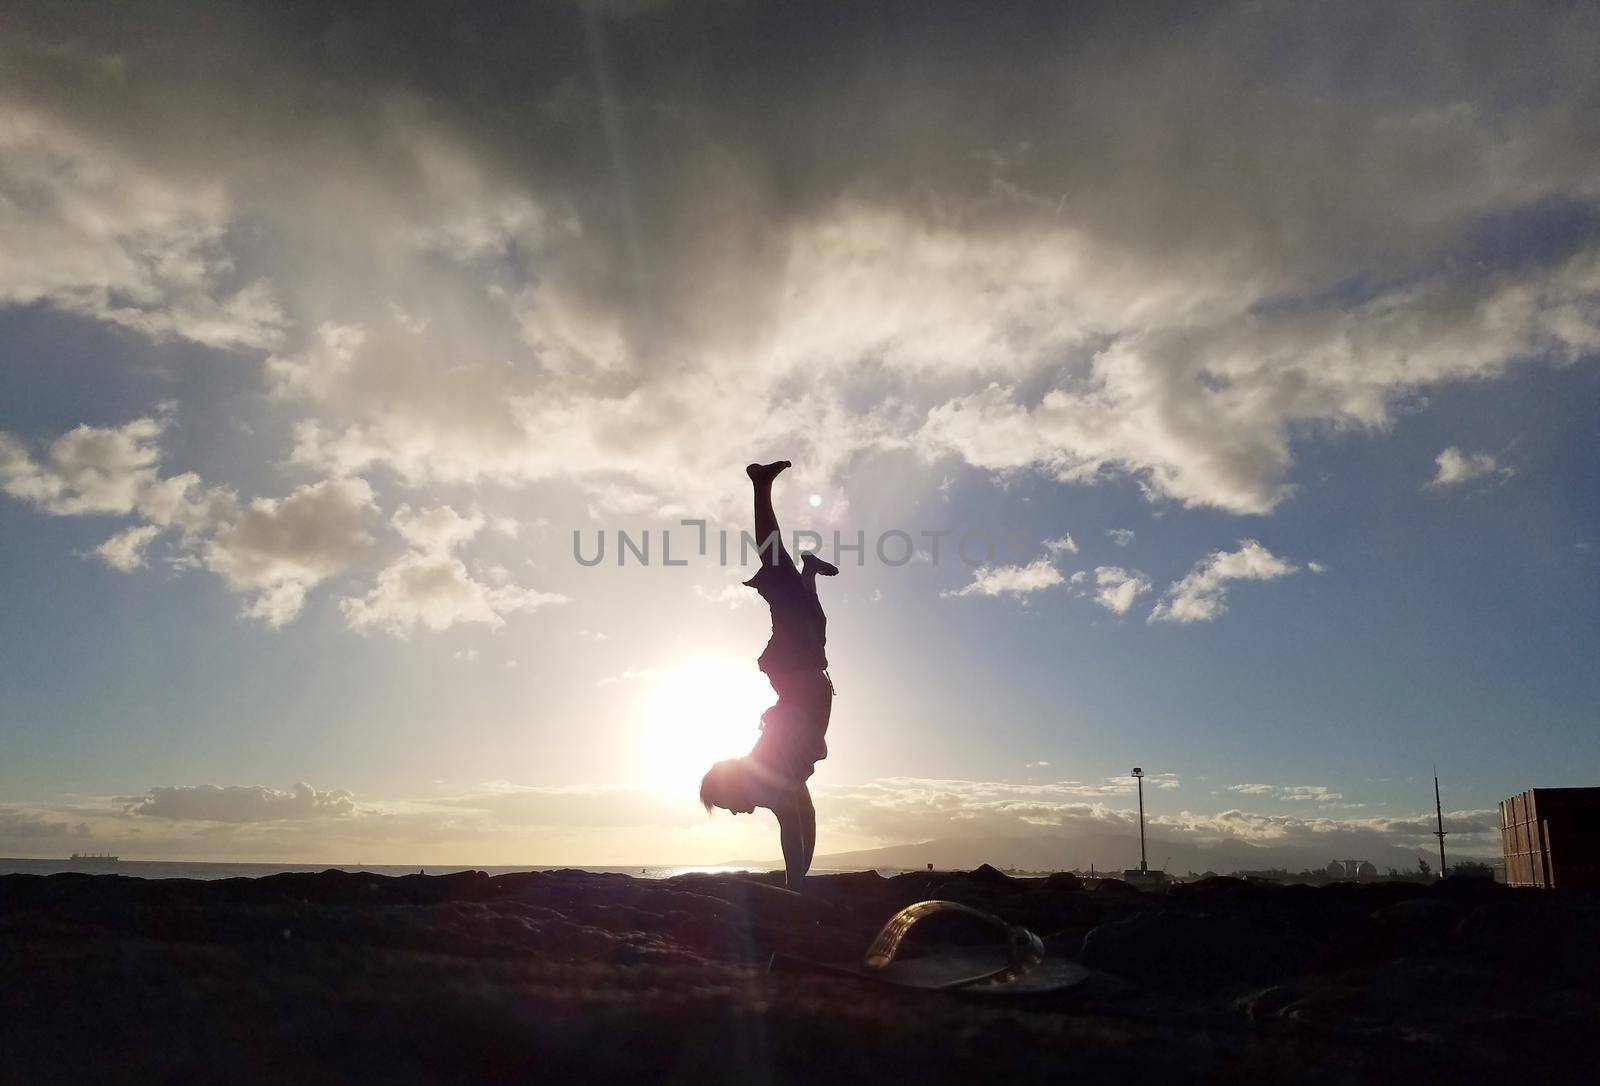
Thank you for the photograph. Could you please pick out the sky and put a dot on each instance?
(1210, 389)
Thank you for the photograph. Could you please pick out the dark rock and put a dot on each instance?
(1114, 887)
(1417, 920)
(1190, 951)
(1213, 885)
(575, 976)
(990, 875)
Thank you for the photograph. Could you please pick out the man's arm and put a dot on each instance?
(797, 830)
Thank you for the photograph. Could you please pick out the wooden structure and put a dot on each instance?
(1551, 838)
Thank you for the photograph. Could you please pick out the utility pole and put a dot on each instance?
(1138, 775)
(1438, 811)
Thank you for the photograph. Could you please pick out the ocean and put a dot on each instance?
(163, 869)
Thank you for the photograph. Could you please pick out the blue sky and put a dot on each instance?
(1299, 357)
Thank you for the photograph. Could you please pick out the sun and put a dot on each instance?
(699, 712)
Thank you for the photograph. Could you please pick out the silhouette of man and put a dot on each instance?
(774, 774)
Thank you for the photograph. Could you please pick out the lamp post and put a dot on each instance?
(1138, 775)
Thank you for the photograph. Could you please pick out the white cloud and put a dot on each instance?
(1293, 793)
(461, 302)
(1064, 545)
(1016, 581)
(1117, 588)
(91, 230)
(89, 470)
(429, 586)
(280, 548)
(113, 471)
(241, 803)
(1120, 536)
(125, 550)
(436, 531)
(1201, 595)
(327, 356)
(275, 549)
(1456, 468)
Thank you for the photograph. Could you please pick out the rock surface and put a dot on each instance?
(577, 977)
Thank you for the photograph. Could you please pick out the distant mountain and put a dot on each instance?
(1115, 852)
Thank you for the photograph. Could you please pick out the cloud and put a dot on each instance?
(1120, 536)
(89, 470)
(125, 550)
(1456, 468)
(275, 549)
(917, 809)
(1293, 793)
(115, 471)
(1201, 595)
(493, 821)
(24, 825)
(1015, 581)
(988, 258)
(241, 803)
(280, 548)
(1117, 588)
(90, 230)
(429, 586)
(1064, 545)
(1478, 830)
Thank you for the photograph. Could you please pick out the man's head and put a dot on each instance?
(726, 785)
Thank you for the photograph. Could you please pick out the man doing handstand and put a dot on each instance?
(774, 774)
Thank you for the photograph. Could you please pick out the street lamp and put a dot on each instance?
(1138, 775)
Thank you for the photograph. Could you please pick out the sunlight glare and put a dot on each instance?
(699, 712)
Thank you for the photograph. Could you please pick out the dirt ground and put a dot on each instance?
(577, 977)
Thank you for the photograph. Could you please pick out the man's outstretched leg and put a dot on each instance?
(761, 476)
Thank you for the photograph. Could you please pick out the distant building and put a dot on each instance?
(1146, 880)
(1551, 838)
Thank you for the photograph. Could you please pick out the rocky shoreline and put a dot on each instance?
(572, 976)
